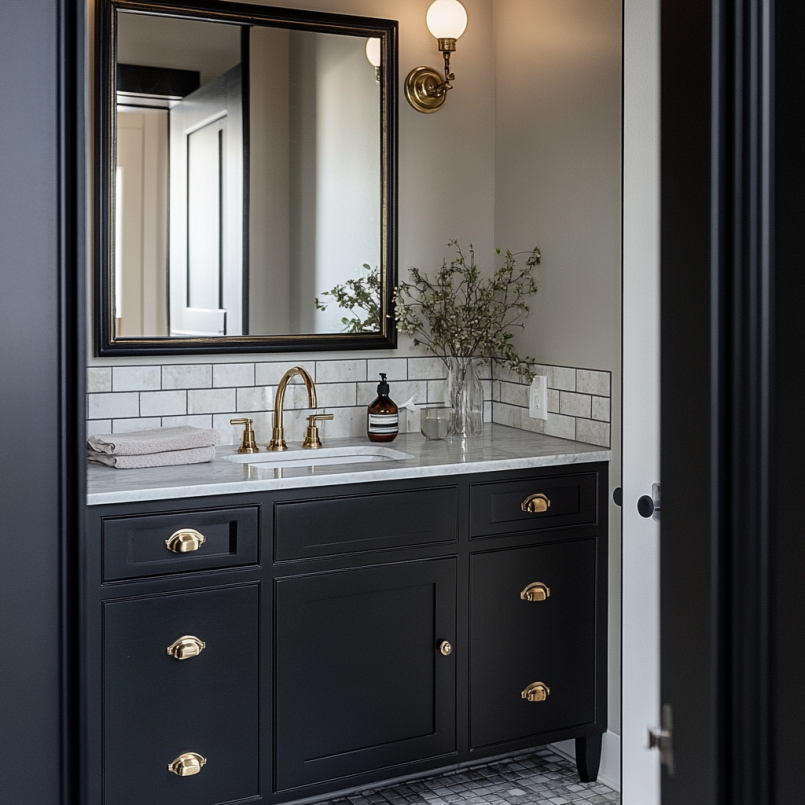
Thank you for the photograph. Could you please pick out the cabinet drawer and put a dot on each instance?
(135, 546)
(157, 708)
(497, 508)
(315, 528)
(515, 642)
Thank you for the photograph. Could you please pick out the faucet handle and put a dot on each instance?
(247, 443)
(312, 439)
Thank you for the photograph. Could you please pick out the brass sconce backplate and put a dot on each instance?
(421, 90)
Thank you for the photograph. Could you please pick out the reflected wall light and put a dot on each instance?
(425, 88)
(373, 54)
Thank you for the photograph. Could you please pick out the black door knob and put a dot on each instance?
(617, 496)
(645, 506)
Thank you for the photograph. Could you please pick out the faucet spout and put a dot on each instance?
(277, 442)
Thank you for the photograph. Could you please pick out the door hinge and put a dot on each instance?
(663, 739)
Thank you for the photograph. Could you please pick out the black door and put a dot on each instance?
(361, 682)
(515, 642)
(158, 707)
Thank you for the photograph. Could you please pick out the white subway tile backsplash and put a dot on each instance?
(195, 376)
(270, 374)
(394, 368)
(340, 371)
(591, 382)
(231, 434)
(136, 378)
(210, 401)
(131, 425)
(437, 391)
(399, 392)
(562, 426)
(553, 401)
(532, 425)
(232, 374)
(113, 406)
(601, 409)
(163, 403)
(573, 404)
(593, 432)
(562, 377)
(96, 427)
(514, 394)
(510, 415)
(194, 421)
(255, 398)
(99, 379)
(337, 395)
(426, 369)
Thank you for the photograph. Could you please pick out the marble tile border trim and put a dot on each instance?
(125, 398)
(579, 403)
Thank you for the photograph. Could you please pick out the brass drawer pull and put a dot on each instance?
(446, 647)
(187, 764)
(536, 692)
(185, 540)
(186, 647)
(536, 503)
(536, 592)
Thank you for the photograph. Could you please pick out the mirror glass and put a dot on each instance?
(248, 183)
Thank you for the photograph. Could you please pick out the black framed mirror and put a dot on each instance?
(246, 194)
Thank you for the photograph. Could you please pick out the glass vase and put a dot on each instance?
(466, 397)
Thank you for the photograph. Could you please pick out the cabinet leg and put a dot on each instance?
(588, 757)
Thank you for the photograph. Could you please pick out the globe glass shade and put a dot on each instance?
(373, 51)
(447, 19)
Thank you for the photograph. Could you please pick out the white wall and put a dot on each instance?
(558, 185)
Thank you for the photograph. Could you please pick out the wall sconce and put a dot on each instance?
(373, 54)
(425, 88)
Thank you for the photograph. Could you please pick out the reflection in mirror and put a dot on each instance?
(248, 194)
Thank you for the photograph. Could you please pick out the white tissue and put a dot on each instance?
(409, 404)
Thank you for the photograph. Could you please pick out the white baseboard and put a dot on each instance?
(610, 771)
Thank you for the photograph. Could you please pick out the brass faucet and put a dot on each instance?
(277, 442)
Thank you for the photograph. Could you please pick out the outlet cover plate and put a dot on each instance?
(538, 397)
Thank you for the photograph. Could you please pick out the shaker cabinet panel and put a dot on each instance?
(361, 683)
(515, 642)
(158, 707)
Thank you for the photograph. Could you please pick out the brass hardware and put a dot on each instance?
(187, 764)
(312, 438)
(426, 90)
(185, 540)
(537, 591)
(186, 647)
(536, 503)
(446, 647)
(277, 443)
(247, 443)
(536, 692)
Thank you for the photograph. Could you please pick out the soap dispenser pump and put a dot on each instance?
(383, 419)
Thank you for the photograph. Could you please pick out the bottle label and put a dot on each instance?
(384, 423)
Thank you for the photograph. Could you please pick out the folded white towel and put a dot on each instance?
(156, 440)
(168, 458)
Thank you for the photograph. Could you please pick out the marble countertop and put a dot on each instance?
(499, 448)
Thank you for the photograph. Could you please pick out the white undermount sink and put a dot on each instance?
(321, 456)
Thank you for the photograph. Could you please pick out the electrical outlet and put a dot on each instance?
(538, 397)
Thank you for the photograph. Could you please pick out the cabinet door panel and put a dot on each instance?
(360, 681)
(157, 708)
(516, 642)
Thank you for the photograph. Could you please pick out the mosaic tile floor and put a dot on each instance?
(540, 777)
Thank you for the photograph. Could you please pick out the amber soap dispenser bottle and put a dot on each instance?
(383, 420)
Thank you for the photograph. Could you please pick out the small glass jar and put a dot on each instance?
(434, 423)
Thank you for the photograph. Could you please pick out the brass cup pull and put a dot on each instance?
(536, 503)
(185, 540)
(186, 647)
(446, 647)
(187, 764)
(536, 692)
(536, 592)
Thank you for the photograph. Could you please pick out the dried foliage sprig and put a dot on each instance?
(460, 314)
(361, 294)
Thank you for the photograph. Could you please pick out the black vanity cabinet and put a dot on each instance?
(306, 641)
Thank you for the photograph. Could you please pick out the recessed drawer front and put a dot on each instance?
(134, 547)
(160, 708)
(307, 529)
(503, 507)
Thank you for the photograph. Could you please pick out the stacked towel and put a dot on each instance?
(160, 447)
